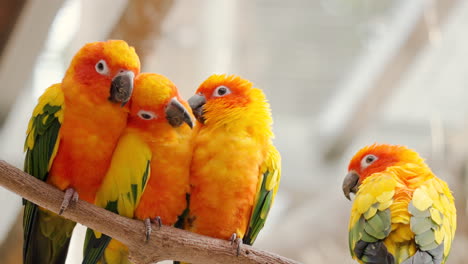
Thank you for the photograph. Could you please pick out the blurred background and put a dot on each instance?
(339, 74)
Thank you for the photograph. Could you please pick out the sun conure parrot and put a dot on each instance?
(235, 170)
(71, 137)
(148, 178)
(402, 212)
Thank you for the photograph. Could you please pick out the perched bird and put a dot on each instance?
(235, 170)
(71, 137)
(148, 178)
(402, 212)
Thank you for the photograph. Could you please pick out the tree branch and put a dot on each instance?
(167, 243)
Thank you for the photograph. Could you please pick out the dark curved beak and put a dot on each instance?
(350, 184)
(176, 114)
(197, 102)
(122, 87)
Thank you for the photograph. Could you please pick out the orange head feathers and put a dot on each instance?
(376, 158)
(230, 100)
(155, 100)
(103, 71)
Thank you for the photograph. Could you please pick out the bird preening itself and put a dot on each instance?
(402, 212)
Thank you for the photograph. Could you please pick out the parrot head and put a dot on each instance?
(373, 159)
(104, 71)
(223, 99)
(156, 99)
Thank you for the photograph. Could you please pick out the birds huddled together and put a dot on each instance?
(128, 142)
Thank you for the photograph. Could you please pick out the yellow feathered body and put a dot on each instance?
(405, 206)
(235, 169)
(71, 136)
(149, 173)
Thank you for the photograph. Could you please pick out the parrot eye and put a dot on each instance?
(146, 115)
(221, 91)
(101, 67)
(368, 160)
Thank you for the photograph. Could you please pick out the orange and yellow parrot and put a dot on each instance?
(71, 136)
(148, 178)
(402, 212)
(235, 170)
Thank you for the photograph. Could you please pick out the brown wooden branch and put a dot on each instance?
(167, 243)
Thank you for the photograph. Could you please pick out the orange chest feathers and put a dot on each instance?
(88, 137)
(224, 177)
(165, 193)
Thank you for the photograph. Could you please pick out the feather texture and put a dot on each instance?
(42, 240)
(266, 192)
(406, 207)
(120, 191)
(70, 139)
(149, 171)
(235, 169)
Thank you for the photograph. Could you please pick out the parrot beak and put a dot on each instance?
(176, 114)
(350, 184)
(122, 87)
(197, 102)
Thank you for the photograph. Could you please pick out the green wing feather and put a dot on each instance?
(41, 145)
(121, 189)
(95, 246)
(268, 186)
(371, 216)
(433, 218)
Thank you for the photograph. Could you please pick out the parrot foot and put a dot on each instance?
(70, 196)
(157, 220)
(148, 229)
(238, 241)
(375, 252)
(148, 221)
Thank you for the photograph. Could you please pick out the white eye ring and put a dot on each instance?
(221, 91)
(368, 160)
(146, 115)
(101, 67)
